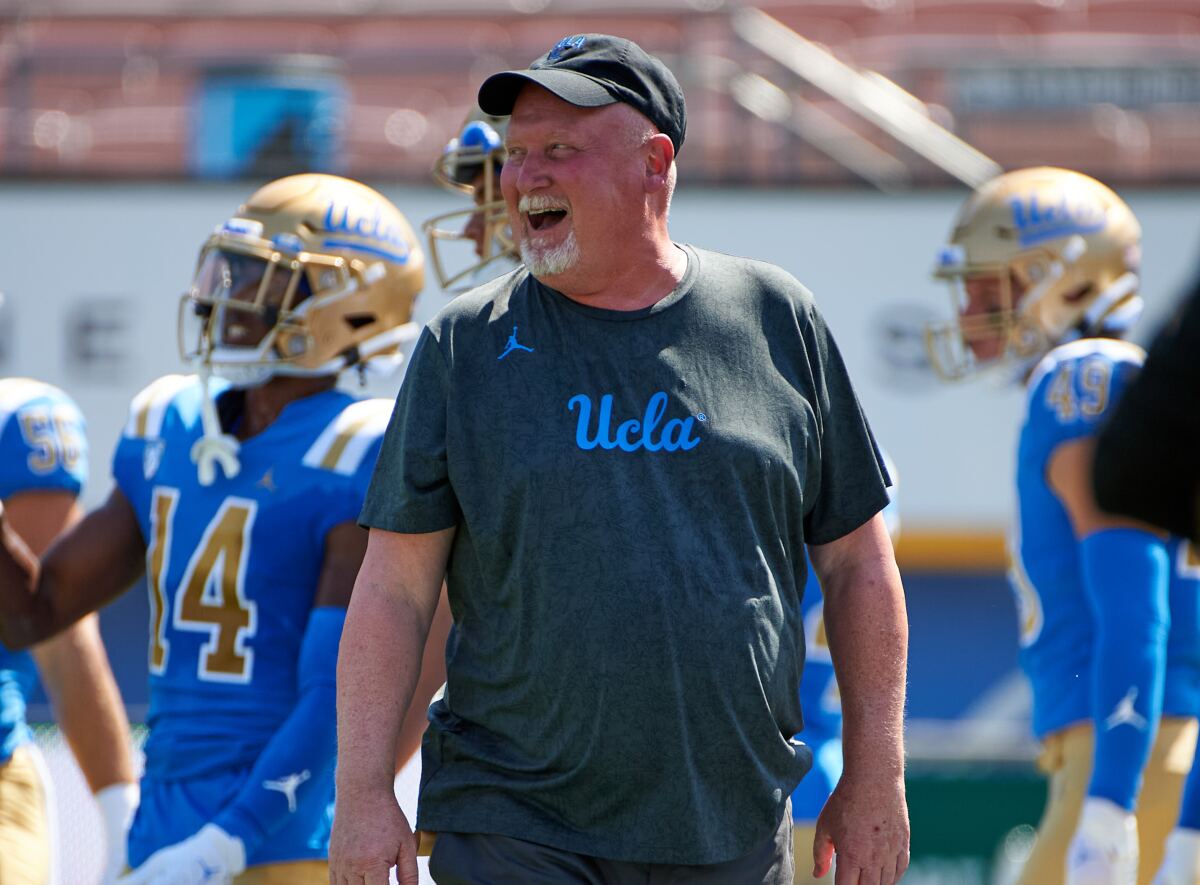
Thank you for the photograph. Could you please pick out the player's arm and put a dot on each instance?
(75, 672)
(87, 704)
(866, 818)
(88, 709)
(91, 564)
(73, 666)
(395, 598)
(1126, 571)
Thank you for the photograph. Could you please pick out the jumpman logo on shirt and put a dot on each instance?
(1125, 714)
(513, 344)
(288, 786)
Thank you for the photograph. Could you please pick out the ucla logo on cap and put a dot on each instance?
(565, 45)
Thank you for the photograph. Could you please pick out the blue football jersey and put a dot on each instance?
(43, 445)
(232, 568)
(1068, 395)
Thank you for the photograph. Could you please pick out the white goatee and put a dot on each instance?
(547, 260)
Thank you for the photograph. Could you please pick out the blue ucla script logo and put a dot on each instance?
(675, 435)
(1065, 216)
(565, 45)
(389, 238)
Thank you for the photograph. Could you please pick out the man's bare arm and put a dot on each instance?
(866, 820)
(379, 662)
(433, 676)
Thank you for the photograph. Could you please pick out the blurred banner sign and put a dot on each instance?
(1031, 88)
(263, 121)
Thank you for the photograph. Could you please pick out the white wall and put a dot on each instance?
(66, 248)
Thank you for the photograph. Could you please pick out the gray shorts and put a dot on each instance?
(486, 859)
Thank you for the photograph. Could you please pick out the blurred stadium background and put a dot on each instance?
(833, 137)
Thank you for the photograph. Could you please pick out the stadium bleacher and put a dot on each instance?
(99, 90)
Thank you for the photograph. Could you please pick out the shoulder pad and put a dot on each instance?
(1113, 350)
(149, 407)
(16, 392)
(346, 440)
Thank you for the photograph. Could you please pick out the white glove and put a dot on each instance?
(1181, 864)
(210, 857)
(117, 803)
(1104, 850)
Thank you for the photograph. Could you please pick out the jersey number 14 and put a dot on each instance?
(210, 597)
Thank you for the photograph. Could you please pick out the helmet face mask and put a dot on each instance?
(314, 274)
(989, 327)
(248, 293)
(1037, 257)
(470, 165)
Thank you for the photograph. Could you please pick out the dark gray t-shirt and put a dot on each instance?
(632, 492)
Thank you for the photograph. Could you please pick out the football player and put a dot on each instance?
(43, 464)
(237, 493)
(1045, 268)
(470, 164)
(821, 704)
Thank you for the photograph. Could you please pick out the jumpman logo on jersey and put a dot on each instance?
(268, 480)
(288, 786)
(1125, 714)
(513, 344)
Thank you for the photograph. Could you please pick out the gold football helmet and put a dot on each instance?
(313, 274)
(470, 164)
(1036, 257)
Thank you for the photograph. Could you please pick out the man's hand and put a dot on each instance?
(866, 823)
(210, 857)
(1181, 865)
(1104, 850)
(370, 836)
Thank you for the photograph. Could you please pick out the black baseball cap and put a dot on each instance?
(593, 70)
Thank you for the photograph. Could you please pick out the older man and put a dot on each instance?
(616, 455)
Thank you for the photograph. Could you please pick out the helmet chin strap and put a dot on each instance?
(214, 447)
(1104, 314)
(382, 355)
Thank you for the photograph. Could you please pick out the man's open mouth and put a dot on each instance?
(544, 219)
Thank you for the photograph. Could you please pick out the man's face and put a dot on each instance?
(988, 305)
(475, 228)
(572, 183)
